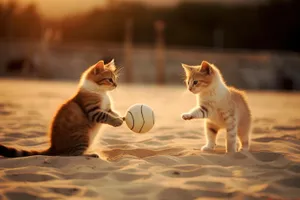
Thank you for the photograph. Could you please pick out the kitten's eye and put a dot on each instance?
(195, 82)
(110, 80)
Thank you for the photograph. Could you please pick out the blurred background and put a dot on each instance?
(255, 43)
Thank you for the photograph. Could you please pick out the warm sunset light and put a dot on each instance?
(61, 8)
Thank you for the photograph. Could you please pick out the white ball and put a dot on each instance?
(140, 118)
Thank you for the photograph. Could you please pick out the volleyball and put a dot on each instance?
(140, 118)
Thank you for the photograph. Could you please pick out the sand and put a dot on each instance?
(165, 163)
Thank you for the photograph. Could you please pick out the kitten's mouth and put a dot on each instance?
(191, 90)
(113, 87)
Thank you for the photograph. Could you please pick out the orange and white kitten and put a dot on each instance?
(221, 106)
(78, 120)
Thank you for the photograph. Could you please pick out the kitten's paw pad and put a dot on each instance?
(186, 116)
(117, 122)
(93, 155)
(207, 148)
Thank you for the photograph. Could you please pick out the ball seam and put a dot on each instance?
(132, 120)
(143, 119)
(153, 117)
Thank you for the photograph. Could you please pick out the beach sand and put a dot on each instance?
(165, 163)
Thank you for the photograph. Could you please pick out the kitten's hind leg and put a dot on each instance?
(211, 131)
(244, 136)
(231, 136)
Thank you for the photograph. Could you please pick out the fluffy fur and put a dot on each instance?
(79, 119)
(221, 106)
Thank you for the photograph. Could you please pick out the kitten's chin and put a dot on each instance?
(195, 92)
(112, 88)
(106, 88)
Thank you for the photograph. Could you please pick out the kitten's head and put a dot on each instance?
(100, 77)
(199, 78)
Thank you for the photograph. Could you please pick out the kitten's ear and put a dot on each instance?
(98, 67)
(205, 67)
(111, 65)
(188, 69)
(112, 62)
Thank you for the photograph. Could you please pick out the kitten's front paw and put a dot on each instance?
(208, 148)
(117, 122)
(186, 116)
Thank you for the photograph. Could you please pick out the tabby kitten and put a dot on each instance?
(221, 106)
(78, 120)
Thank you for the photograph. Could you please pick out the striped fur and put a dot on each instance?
(96, 111)
(221, 106)
(78, 121)
(198, 112)
(11, 152)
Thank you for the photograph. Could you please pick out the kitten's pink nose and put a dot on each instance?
(190, 89)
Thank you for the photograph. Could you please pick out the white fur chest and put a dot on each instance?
(94, 88)
(105, 103)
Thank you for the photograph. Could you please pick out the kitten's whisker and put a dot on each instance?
(118, 72)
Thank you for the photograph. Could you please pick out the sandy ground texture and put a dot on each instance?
(165, 163)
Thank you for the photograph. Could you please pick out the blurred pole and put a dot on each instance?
(128, 50)
(11, 7)
(218, 38)
(45, 41)
(159, 26)
(44, 50)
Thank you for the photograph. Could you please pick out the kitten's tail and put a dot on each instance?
(11, 152)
